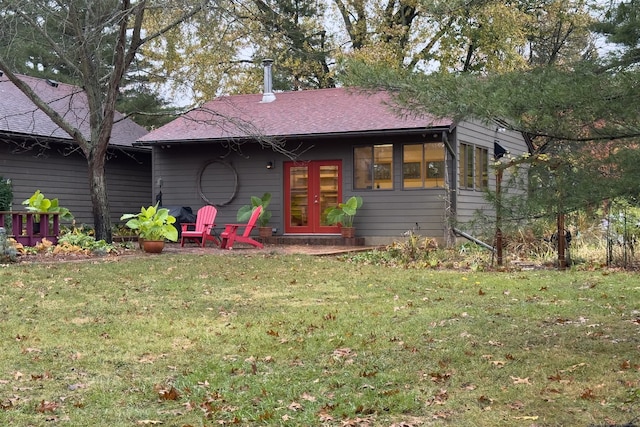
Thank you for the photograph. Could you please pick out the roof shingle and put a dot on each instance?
(18, 115)
(301, 113)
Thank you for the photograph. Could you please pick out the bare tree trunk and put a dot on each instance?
(562, 243)
(99, 199)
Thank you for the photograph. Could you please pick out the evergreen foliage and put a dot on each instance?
(579, 115)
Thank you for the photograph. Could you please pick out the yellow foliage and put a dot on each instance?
(19, 247)
(67, 248)
(44, 245)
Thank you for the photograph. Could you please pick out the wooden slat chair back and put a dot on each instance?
(230, 235)
(200, 231)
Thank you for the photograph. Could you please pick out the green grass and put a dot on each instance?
(208, 340)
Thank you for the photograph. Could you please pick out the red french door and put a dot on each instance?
(310, 188)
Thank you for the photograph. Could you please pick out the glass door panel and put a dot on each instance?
(298, 196)
(328, 191)
(310, 188)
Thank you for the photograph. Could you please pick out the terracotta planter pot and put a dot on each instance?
(153, 246)
(348, 232)
(265, 231)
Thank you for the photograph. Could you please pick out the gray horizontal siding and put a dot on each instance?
(179, 167)
(400, 214)
(128, 184)
(387, 213)
(66, 178)
(470, 202)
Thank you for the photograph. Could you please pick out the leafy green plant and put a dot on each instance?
(345, 212)
(83, 240)
(244, 213)
(39, 203)
(152, 223)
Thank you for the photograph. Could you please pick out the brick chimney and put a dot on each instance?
(267, 95)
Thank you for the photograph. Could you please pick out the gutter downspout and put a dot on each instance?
(474, 240)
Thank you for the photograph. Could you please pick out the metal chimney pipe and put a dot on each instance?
(267, 95)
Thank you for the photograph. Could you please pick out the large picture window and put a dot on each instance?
(373, 167)
(474, 167)
(423, 165)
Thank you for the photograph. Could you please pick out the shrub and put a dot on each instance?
(8, 252)
(82, 240)
(415, 251)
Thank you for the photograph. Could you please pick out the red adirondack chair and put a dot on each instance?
(201, 229)
(230, 235)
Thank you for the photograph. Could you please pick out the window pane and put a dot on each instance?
(466, 166)
(469, 167)
(434, 158)
(383, 166)
(299, 177)
(485, 168)
(462, 155)
(412, 166)
(362, 168)
(329, 175)
(482, 168)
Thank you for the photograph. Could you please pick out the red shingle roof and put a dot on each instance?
(301, 113)
(18, 115)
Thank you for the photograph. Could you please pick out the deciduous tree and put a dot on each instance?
(307, 38)
(74, 35)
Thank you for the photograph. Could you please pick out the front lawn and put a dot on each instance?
(263, 339)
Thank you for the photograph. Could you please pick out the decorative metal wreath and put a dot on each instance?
(235, 182)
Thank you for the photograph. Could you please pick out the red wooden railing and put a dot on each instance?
(29, 228)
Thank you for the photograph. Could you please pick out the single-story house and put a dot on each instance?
(35, 154)
(312, 149)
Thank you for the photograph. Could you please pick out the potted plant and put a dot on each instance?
(244, 213)
(344, 214)
(153, 225)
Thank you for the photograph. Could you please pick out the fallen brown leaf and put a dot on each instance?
(516, 406)
(295, 406)
(518, 380)
(46, 406)
(170, 394)
(588, 394)
(308, 397)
